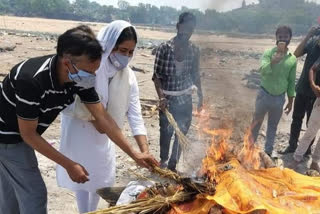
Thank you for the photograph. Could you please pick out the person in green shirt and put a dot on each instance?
(278, 74)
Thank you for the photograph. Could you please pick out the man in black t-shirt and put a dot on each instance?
(304, 95)
(313, 125)
(31, 97)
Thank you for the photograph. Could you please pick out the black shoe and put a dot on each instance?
(288, 150)
(172, 168)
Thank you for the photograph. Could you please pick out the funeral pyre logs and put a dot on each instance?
(234, 179)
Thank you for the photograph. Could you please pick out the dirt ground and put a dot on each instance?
(225, 62)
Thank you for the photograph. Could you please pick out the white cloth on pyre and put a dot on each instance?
(132, 190)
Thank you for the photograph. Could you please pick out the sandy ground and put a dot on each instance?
(224, 63)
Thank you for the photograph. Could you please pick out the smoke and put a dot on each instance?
(224, 5)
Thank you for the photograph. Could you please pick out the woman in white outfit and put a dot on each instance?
(117, 86)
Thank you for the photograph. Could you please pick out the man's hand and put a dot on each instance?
(28, 132)
(277, 58)
(200, 105)
(163, 103)
(316, 90)
(145, 160)
(77, 173)
(288, 108)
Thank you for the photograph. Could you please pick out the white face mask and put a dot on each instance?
(119, 61)
(82, 78)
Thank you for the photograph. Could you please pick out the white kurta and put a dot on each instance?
(83, 144)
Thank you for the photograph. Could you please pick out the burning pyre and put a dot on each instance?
(236, 179)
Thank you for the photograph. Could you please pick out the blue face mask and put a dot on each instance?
(82, 79)
(119, 61)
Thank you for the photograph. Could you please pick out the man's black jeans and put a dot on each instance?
(302, 105)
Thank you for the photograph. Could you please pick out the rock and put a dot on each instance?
(253, 79)
(138, 69)
(252, 85)
(7, 48)
(133, 168)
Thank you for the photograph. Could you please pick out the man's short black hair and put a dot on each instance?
(187, 17)
(284, 28)
(79, 41)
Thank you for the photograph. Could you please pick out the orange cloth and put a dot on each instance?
(274, 190)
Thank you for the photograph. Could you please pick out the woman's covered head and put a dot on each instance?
(124, 48)
(126, 43)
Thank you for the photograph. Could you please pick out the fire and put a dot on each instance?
(222, 150)
(216, 153)
(245, 183)
(250, 153)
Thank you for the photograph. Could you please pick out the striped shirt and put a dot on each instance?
(31, 91)
(171, 79)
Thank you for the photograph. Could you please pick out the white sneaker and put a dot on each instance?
(274, 154)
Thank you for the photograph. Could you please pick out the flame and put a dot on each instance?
(222, 150)
(250, 153)
(244, 185)
(216, 153)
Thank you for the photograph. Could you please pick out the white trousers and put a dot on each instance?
(311, 133)
(87, 201)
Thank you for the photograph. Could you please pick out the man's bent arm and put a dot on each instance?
(31, 137)
(107, 125)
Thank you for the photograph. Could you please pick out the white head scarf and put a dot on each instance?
(108, 37)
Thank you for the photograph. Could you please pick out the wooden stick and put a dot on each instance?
(149, 99)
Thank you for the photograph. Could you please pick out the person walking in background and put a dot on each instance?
(278, 74)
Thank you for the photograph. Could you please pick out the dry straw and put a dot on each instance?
(157, 204)
(183, 141)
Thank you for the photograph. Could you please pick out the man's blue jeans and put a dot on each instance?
(183, 116)
(273, 106)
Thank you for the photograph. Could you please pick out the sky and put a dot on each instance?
(220, 5)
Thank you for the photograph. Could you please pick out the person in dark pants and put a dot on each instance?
(305, 97)
(31, 97)
(176, 71)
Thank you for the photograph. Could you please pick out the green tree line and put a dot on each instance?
(257, 18)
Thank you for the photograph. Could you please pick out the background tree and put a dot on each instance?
(259, 18)
(243, 4)
(123, 5)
